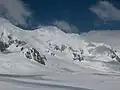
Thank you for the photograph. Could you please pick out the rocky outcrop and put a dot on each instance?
(33, 54)
(56, 47)
(3, 46)
(105, 51)
(6, 41)
(77, 54)
(113, 55)
(77, 57)
(15, 41)
(30, 53)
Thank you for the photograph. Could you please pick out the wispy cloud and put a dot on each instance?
(14, 10)
(66, 27)
(106, 11)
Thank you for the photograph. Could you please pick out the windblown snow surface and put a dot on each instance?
(99, 68)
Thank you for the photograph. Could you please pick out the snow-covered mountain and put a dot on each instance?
(51, 58)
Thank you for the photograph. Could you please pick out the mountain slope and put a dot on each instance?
(47, 58)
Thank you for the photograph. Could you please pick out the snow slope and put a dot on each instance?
(71, 61)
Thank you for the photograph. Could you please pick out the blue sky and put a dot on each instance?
(86, 15)
(75, 12)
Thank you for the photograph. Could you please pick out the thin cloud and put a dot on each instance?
(106, 11)
(66, 27)
(14, 10)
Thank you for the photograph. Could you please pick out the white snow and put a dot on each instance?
(96, 72)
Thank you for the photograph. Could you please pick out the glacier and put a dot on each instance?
(49, 59)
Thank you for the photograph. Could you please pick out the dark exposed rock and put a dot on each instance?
(35, 55)
(16, 41)
(71, 49)
(63, 47)
(3, 46)
(10, 36)
(77, 57)
(20, 43)
(53, 54)
(57, 48)
(82, 51)
(22, 48)
(114, 55)
(28, 55)
(10, 41)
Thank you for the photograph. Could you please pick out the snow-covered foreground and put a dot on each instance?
(49, 59)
